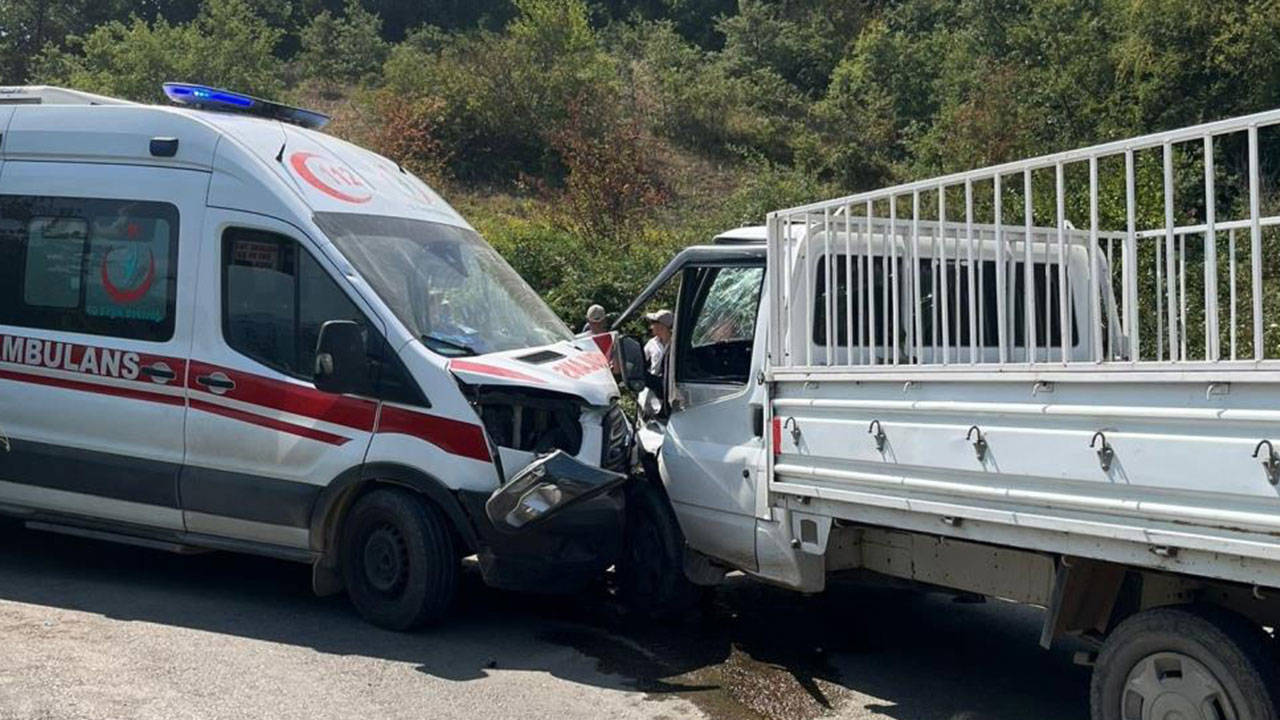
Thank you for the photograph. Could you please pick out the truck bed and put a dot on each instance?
(1054, 355)
(1183, 492)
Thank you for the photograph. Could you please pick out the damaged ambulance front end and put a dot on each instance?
(563, 446)
(549, 515)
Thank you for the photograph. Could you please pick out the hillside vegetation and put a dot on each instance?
(588, 139)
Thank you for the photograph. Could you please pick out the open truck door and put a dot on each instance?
(708, 429)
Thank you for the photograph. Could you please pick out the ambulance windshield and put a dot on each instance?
(445, 284)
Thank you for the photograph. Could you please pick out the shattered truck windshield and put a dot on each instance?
(445, 283)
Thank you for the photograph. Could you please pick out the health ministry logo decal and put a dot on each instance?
(127, 273)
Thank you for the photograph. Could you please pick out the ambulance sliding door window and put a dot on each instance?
(103, 267)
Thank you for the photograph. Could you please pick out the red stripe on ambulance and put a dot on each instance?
(582, 365)
(272, 423)
(453, 436)
(352, 412)
(83, 368)
(492, 370)
(68, 384)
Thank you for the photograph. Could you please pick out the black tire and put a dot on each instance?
(398, 559)
(1177, 645)
(650, 572)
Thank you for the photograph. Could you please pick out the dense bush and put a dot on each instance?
(612, 181)
(506, 93)
(698, 100)
(573, 271)
(407, 130)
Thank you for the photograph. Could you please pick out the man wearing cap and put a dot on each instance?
(655, 351)
(597, 321)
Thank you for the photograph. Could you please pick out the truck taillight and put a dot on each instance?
(777, 435)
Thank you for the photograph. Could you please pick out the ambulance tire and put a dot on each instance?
(398, 559)
(1186, 662)
(650, 574)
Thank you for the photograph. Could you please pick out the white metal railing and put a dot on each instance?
(1123, 255)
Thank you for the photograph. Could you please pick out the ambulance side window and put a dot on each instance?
(275, 297)
(87, 265)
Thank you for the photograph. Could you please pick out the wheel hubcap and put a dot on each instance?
(386, 559)
(1173, 686)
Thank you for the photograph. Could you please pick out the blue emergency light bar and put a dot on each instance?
(207, 98)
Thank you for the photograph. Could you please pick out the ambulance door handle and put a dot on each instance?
(217, 382)
(158, 372)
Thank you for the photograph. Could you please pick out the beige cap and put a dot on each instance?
(595, 313)
(664, 316)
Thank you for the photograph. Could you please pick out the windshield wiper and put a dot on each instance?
(436, 343)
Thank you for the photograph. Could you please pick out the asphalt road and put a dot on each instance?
(94, 630)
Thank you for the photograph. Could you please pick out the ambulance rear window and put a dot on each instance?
(102, 267)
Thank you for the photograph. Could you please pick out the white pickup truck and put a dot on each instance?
(1043, 396)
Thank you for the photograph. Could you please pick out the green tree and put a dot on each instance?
(800, 41)
(700, 101)
(1187, 61)
(339, 51)
(506, 93)
(27, 26)
(226, 45)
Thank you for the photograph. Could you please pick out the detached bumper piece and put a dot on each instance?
(553, 528)
(546, 487)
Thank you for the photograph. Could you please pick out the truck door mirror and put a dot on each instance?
(342, 359)
(631, 360)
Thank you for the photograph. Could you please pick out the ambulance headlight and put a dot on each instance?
(534, 504)
(545, 488)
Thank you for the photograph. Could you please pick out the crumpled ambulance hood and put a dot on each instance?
(574, 368)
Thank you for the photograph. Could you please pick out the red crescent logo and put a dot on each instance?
(331, 178)
(129, 295)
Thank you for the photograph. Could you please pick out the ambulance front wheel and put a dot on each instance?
(398, 559)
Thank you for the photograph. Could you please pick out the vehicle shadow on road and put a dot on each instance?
(753, 651)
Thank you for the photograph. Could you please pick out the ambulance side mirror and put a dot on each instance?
(631, 360)
(342, 360)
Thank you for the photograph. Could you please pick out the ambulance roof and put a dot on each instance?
(325, 173)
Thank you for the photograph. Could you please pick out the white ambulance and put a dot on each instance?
(223, 329)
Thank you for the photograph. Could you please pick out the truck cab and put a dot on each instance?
(703, 435)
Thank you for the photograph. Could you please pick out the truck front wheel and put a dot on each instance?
(398, 559)
(1186, 663)
(650, 573)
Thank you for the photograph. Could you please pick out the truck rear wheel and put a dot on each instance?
(398, 560)
(650, 573)
(1185, 664)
